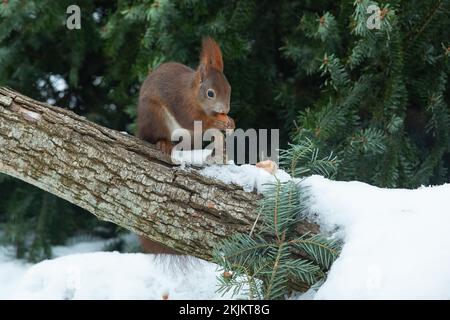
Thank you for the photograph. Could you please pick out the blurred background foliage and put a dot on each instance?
(377, 99)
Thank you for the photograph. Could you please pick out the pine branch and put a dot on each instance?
(412, 37)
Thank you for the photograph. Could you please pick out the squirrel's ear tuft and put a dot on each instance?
(211, 56)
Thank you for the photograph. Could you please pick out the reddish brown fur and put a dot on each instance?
(181, 92)
(150, 246)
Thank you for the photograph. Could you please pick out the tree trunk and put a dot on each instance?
(119, 178)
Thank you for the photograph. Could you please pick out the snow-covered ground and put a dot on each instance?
(11, 271)
(396, 246)
(76, 274)
(396, 241)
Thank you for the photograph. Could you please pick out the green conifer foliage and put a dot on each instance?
(382, 108)
(377, 99)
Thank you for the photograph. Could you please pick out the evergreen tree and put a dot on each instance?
(378, 98)
(382, 106)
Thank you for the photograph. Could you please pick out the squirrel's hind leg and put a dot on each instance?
(165, 146)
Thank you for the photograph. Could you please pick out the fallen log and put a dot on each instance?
(120, 178)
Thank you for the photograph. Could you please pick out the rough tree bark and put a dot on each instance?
(120, 178)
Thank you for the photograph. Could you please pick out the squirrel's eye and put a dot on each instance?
(210, 93)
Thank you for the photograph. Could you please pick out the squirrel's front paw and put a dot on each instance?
(231, 124)
(165, 146)
(222, 122)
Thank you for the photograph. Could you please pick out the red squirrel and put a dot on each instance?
(174, 96)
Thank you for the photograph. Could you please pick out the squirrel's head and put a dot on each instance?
(213, 88)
